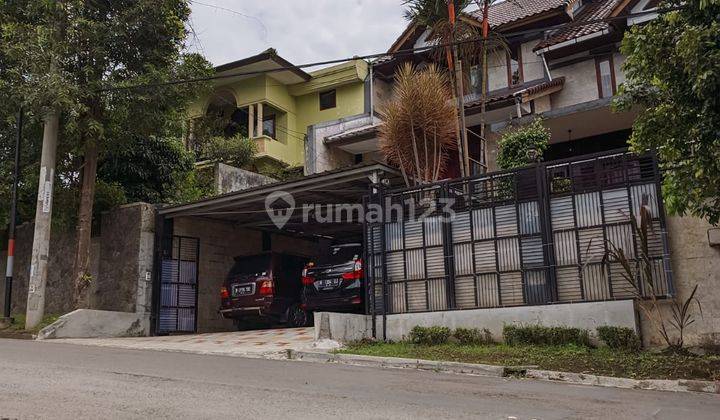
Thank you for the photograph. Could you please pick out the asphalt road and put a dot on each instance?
(46, 380)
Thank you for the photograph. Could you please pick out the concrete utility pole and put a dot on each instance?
(43, 219)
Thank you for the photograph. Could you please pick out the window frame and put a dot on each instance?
(508, 62)
(334, 101)
(598, 75)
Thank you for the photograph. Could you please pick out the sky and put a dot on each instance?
(302, 31)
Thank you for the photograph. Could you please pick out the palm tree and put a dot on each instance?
(441, 17)
(419, 126)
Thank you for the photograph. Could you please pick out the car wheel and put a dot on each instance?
(298, 317)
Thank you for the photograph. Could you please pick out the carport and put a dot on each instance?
(196, 243)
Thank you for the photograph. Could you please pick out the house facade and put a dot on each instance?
(268, 99)
(567, 76)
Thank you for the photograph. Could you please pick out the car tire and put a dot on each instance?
(298, 317)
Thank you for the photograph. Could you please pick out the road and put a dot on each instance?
(48, 380)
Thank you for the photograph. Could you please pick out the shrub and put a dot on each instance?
(515, 144)
(621, 338)
(546, 336)
(473, 336)
(429, 335)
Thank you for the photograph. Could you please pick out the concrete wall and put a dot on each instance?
(694, 261)
(580, 84)
(220, 242)
(320, 157)
(587, 315)
(120, 259)
(229, 179)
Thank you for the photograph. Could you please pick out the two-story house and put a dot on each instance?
(268, 99)
(561, 61)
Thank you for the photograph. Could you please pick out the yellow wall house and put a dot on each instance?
(273, 102)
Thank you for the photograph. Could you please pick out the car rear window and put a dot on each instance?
(342, 254)
(253, 265)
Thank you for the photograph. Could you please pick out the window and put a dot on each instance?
(514, 66)
(269, 126)
(475, 79)
(327, 100)
(605, 76)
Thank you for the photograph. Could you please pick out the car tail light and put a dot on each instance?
(357, 272)
(224, 293)
(267, 288)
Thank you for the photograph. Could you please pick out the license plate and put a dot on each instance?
(243, 289)
(327, 283)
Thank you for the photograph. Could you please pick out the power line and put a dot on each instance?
(235, 12)
(405, 52)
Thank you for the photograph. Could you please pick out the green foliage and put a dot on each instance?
(473, 336)
(673, 72)
(237, 151)
(281, 172)
(429, 336)
(545, 336)
(93, 46)
(620, 338)
(515, 145)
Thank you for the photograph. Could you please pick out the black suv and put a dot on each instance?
(335, 282)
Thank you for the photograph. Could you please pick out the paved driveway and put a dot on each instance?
(259, 343)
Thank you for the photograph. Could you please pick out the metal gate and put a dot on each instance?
(179, 286)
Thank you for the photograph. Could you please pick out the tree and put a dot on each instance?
(517, 146)
(103, 44)
(442, 18)
(419, 124)
(673, 73)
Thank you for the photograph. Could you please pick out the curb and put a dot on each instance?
(399, 363)
(530, 372)
(673, 385)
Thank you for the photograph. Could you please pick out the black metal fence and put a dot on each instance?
(530, 236)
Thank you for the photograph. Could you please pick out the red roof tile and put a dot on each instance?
(598, 9)
(512, 10)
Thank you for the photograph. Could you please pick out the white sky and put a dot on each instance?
(302, 31)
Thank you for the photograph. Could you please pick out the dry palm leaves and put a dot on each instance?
(419, 124)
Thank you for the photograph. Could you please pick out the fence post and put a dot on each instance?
(448, 251)
(544, 195)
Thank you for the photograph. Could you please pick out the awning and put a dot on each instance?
(248, 207)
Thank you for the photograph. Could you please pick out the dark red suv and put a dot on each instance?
(267, 286)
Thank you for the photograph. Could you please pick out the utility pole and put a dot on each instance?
(13, 217)
(454, 64)
(43, 221)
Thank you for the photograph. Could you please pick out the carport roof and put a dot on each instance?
(247, 207)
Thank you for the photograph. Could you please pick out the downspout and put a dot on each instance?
(372, 94)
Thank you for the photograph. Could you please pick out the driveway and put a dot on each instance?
(260, 343)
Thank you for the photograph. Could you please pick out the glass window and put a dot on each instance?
(605, 78)
(327, 100)
(269, 126)
(475, 79)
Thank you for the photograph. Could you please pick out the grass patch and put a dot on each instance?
(568, 358)
(18, 325)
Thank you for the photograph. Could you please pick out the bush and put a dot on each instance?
(621, 338)
(545, 336)
(429, 336)
(515, 144)
(473, 336)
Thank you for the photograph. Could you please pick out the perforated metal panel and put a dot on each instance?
(178, 286)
